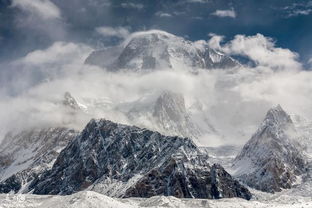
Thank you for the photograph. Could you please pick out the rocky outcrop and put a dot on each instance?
(27, 154)
(272, 159)
(155, 49)
(121, 161)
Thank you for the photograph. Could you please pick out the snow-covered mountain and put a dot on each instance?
(272, 159)
(25, 155)
(164, 112)
(156, 49)
(123, 161)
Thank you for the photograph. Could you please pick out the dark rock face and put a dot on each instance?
(183, 179)
(272, 158)
(159, 50)
(141, 162)
(27, 154)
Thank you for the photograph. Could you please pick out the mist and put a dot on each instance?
(234, 100)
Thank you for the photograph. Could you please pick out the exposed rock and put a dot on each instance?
(272, 159)
(114, 159)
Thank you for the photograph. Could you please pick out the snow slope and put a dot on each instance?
(89, 199)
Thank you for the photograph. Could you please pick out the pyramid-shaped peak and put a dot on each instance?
(277, 115)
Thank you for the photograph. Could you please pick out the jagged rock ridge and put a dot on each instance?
(117, 160)
(272, 159)
(160, 50)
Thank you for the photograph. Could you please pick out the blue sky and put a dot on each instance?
(26, 25)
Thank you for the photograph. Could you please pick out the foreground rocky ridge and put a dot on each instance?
(121, 161)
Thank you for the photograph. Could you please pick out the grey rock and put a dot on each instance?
(272, 159)
(107, 153)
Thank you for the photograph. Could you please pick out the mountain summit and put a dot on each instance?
(271, 159)
(155, 49)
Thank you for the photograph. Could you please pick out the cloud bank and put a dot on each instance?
(234, 101)
(260, 49)
(42, 8)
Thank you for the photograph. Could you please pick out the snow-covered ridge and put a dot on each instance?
(127, 161)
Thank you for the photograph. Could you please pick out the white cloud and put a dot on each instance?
(59, 52)
(132, 5)
(215, 41)
(43, 8)
(162, 14)
(120, 32)
(225, 13)
(260, 49)
(234, 101)
(298, 9)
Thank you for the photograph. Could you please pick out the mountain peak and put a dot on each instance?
(155, 50)
(127, 161)
(271, 159)
(277, 115)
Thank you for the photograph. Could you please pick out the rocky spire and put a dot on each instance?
(271, 159)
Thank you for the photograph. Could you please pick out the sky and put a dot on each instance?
(30, 24)
(43, 45)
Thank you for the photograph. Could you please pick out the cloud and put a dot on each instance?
(215, 41)
(42, 65)
(131, 5)
(233, 101)
(162, 14)
(120, 32)
(58, 52)
(298, 9)
(260, 49)
(43, 8)
(225, 13)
